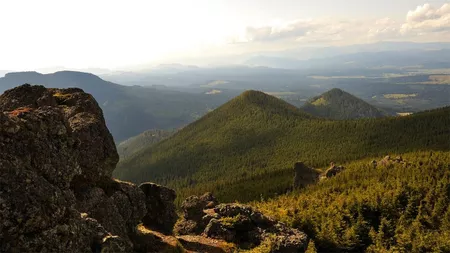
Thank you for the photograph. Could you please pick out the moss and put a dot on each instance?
(62, 96)
(230, 221)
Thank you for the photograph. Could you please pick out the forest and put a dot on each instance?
(392, 208)
(245, 150)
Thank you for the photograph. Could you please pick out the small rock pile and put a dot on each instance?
(237, 223)
(387, 160)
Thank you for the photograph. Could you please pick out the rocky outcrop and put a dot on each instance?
(388, 160)
(304, 175)
(56, 190)
(161, 213)
(332, 171)
(194, 219)
(238, 224)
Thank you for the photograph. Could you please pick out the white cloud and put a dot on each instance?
(427, 19)
(425, 23)
(293, 29)
(384, 28)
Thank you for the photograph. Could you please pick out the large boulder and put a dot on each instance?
(56, 190)
(161, 212)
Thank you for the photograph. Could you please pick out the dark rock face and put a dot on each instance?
(304, 175)
(239, 224)
(161, 212)
(118, 206)
(56, 191)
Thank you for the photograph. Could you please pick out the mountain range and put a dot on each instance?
(407, 58)
(129, 110)
(255, 138)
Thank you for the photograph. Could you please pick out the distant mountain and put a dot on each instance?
(399, 58)
(246, 148)
(305, 53)
(338, 104)
(129, 110)
(144, 140)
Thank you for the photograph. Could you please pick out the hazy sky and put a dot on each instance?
(115, 34)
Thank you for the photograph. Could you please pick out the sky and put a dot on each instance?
(125, 34)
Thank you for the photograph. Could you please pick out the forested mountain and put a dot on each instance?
(338, 104)
(143, 140)
(128, 110)
(246, 148)
(397, 207)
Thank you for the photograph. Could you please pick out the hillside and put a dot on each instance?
(393, 208)
(338, 104)
(246, 148)
(128, 110)
(143, 140)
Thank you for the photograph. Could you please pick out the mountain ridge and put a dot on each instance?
(256, 137)
(129, 110)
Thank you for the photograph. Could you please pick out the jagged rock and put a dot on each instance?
(161, 213)
(248, 228)
(239, 224)
(193, 208)
(209, 199)
(56, 191)
(195, 218)
(303, 175)
(387, 160)
(187, 227)
(118, 206)
(215, 229)
(333, 170)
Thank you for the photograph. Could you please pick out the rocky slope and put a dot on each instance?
(56, 190)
